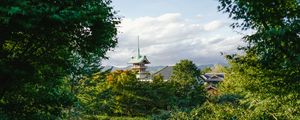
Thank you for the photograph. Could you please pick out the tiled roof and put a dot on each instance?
(213, 76)
(166, 72)
(139, 59)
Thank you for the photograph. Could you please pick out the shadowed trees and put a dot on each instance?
(40, 44)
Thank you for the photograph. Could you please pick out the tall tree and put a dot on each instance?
(269, 73)
(186, 80)
(39, 42)
(185, 71)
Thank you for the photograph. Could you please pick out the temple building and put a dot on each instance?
(211, 80)
(139, 64)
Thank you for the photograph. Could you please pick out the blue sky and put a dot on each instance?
(189, 8)
(171, 30)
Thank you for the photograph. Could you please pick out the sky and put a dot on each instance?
(172, 30)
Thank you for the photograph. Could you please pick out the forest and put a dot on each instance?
(51, 53)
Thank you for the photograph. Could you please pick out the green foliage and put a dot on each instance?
(277, 30)
(210, 111)
(267, 76)
(158, 78)
(184, 72)
(114, 118)
(205, 70)
(263, 83)
(244, 97)
(218, 69)
(39, 44)
(262, 98)
(122, 94)
(109, 94)
(187, 84)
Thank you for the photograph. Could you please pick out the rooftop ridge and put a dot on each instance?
(160, 70)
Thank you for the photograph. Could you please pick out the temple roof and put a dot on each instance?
(166, 72)
(213, 77)
(139, 59)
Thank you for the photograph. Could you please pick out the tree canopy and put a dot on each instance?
(263, 82)
(40, 44)
(185, 71)
(268, 74)
(187, 84)
(274, 48)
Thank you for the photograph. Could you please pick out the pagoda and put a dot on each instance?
(139, 64)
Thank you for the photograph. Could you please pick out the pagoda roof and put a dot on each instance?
(213, 77)
(139, 59)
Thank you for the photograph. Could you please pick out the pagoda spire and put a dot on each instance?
(138, 55)
(138, 64)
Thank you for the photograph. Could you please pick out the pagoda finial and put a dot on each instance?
(139, 55)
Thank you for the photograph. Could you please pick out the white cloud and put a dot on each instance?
(168, 38)
(199, 16)
(213, 25)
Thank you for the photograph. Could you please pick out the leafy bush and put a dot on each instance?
(121, 94)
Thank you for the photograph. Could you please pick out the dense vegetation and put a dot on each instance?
(268, 75)
(51, 53)
(122, 94)
(262, 83)
(45, 47)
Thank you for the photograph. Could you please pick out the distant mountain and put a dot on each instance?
(153, 69)
(210, 65)
(204, 66)
(116, 68)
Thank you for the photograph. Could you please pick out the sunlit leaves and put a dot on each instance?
(268, 72)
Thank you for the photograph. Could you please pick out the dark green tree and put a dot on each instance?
(39, 44)
(185, 71)
(268, 74)
(262, 83)
(188, 86)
